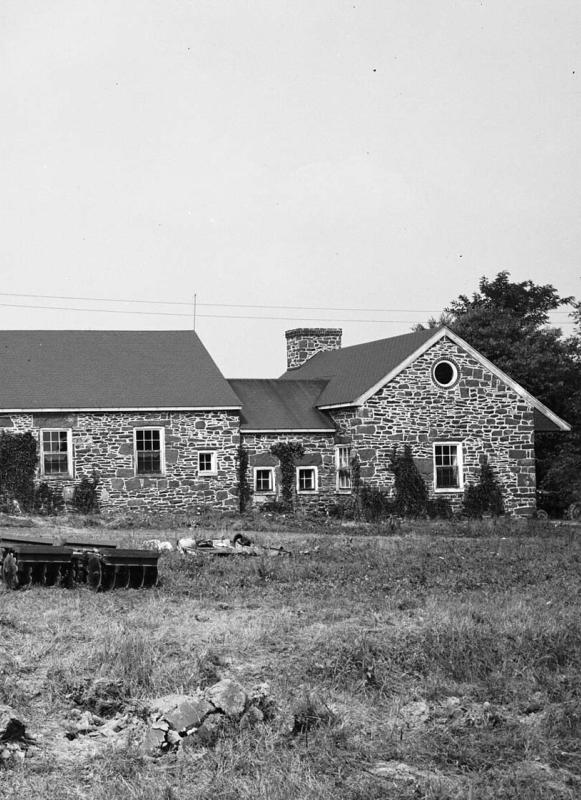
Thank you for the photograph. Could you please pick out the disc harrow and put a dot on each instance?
(103, 566)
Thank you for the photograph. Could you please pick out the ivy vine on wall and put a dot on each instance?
(18, 461)
(244, 488)
(288, 453)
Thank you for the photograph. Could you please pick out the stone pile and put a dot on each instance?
(14, 741)
(195, 720)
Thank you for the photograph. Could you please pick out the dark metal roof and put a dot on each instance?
(77, 370)
(352, 371)
(281, 405)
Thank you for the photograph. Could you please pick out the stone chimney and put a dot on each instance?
(304, 343)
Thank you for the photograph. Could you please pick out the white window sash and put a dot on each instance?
(69, 473)
(457, 455)
(161, 451)
(315, 472)
(213, 462)
(271, 472)
(342, 463)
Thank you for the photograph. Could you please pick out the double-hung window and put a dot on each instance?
(149, 451)
(343, 468)
(263, 480)
(56, 452)
(448, 467)
(307, 480)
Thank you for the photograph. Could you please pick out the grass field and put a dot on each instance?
(447, 658)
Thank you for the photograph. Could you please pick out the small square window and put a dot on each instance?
(448, 473)
(263, 479)
(207, 462)
(149, 451)
(307, 480)
(56, 452)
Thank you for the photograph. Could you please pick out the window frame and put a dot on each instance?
(213, 462)
(315, 470)
(161, 430)
(272, 472)
(70, 466)
(455, 373)
(460, 467)
(338, 466)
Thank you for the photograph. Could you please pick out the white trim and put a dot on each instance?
(351, 404)
(161, 451)
(77, 410)
(307, 491)
(213, 462)
(286, 430)
(455, 374)
(70, 473)
(460, 455)
(342, 489)
(263, 492)
(447, 333)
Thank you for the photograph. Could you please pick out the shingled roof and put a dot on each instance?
(351, 371)
(274, 405)
(354, 373)
(98, 370)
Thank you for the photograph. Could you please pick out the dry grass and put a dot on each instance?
(455, 651)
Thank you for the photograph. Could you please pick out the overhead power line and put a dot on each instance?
(228, 305)
(207, 316)
(211, 316)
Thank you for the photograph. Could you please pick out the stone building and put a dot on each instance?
(153, 415)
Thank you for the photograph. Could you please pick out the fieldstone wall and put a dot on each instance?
(304, 343)
(104, 442)
(480, 411)
(319, 452)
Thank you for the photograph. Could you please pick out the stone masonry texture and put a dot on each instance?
(304, 343)
(105, 442)
(481, 412)
(319, 452)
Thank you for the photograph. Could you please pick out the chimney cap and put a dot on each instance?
(313, 332)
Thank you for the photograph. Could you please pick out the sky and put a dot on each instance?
(282, 160)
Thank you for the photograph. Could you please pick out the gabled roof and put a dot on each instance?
(114, 370)
(281, 406)
(354, 374)
(351, 371)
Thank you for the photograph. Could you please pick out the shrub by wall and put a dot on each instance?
(484, 497)
(411, 493)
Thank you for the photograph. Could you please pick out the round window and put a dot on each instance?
(445, 374)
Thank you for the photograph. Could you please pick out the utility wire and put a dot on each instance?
(208, 316)
(228, 305)
(213, 316)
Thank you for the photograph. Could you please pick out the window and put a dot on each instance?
(343, 467)
(263, 479)
(56, 452)
(207, 462)
(149, 451)
(307, 480)
(445, 374)
(448, 467)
